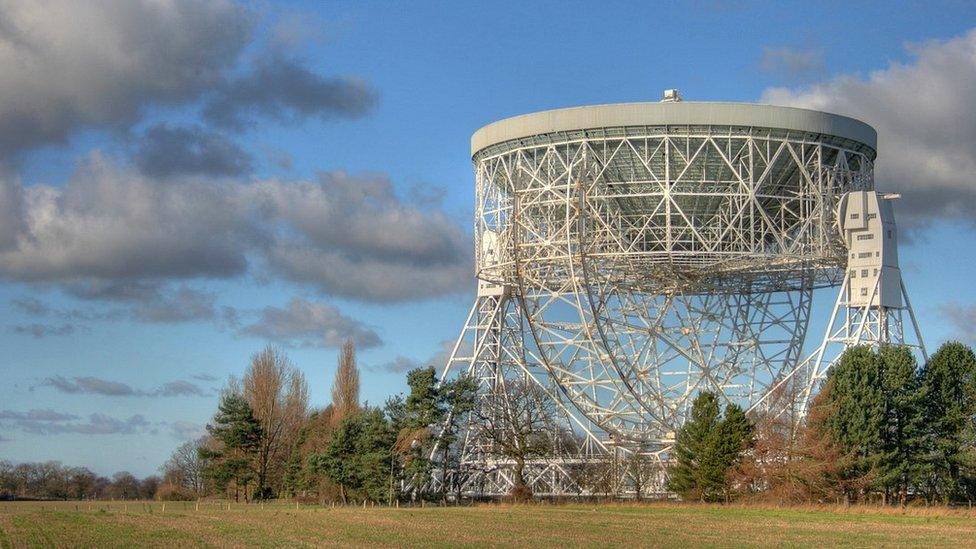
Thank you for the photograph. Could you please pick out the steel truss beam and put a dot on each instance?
(626, 273)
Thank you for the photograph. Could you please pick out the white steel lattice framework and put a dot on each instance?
(631, 256)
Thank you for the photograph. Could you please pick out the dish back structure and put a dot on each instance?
(631, 256)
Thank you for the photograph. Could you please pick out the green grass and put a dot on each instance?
(140, 524)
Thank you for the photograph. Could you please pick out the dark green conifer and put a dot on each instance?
(948, 383)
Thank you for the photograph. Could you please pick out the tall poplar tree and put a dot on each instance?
(345, 387)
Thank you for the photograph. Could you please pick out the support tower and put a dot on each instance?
(631, 256)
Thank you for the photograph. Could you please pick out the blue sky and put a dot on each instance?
(138, 272)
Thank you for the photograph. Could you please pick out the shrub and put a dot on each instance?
(172, 492)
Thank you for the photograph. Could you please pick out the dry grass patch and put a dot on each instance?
(117, 524)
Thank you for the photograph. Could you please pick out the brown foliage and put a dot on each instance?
(792, 464)
(175, 492)
(278, 395)
(345, 388)
(521, 493)
(184, 469)
(319, 430)
(322, 424)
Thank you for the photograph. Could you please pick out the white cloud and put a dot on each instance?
(282, 89)
(352, 236)
(98, 63)
(111, 223)
(38, 330)
(113, 233)
(167, 150)
(187, 430)
(49, 422)
(402, 364)
(309, 324)
(923, 111)
(69, 66)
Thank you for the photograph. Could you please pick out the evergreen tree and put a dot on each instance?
(692, 449)
(707, 448)
(359, 457)
(235, 424)
(295, 481)
(875, 415)
(413, 420)
(460, 397)
(865, 434)
(239, 433)
(424, 405)
(903, 437)
(426, 422)
(858, 416)
(948, 383)
(735, 434)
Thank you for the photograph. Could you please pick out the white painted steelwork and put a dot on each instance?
(631, 256)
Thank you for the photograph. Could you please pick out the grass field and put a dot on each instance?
(103, 524)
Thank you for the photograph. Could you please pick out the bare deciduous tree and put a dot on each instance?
(610, 479)
(184, 468)
(641, 471)
(586, 477)
(518, 423)
(124, 486)
(345, 388)
(278, 394)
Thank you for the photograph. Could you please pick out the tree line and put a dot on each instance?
(880, 430)
(50, 480)
(266, 442)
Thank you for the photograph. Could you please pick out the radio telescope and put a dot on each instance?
(630, 256)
